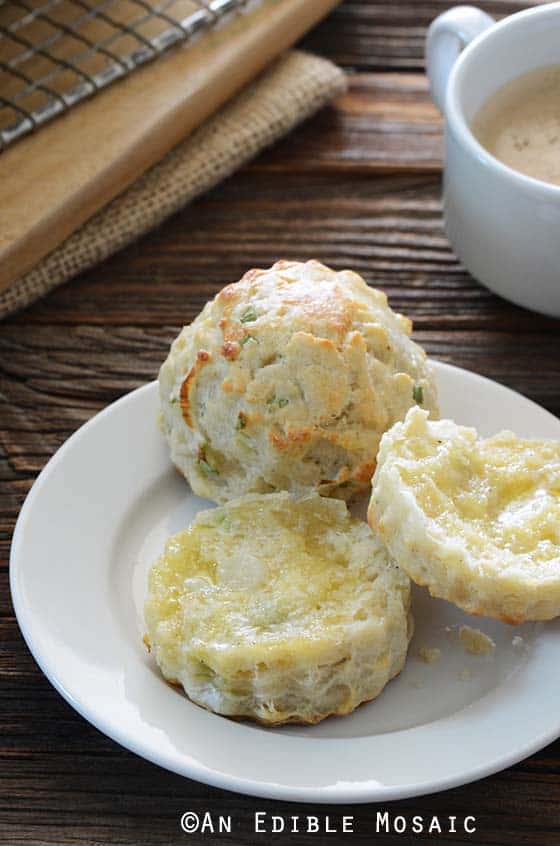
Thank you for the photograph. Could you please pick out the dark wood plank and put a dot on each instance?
(380, 35)
(384, 123)
(390, 229)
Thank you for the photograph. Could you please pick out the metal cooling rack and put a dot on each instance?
(55, 53)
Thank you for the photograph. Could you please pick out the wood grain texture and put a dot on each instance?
(383, 35)
(352, 189)
(386, 122)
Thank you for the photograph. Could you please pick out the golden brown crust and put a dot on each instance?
(292, 436)
(184, 392)
(318, 364)
(476, 612)
(253, 273)
(365, 471)
(231, 330)
(230, 350)
(186, 386)
(227, 293)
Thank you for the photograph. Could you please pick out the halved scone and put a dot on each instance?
(278, 610)
(476, 520)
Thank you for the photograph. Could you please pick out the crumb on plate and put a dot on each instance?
(429, 655)
(475, 642)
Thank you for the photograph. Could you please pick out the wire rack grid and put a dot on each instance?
(55, 53)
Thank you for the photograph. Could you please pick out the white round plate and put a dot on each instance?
(94, 522)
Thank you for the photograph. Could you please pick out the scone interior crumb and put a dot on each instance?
(502, 491)
(475, 520)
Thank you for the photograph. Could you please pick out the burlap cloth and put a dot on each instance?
(290, 90)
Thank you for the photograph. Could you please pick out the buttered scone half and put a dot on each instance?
(279, 611)
(286, 381)
(476, 520)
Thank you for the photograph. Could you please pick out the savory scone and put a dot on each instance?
(286, 381)
(476, 520)
(279, 611)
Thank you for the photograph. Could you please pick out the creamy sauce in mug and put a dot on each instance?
(520, 124)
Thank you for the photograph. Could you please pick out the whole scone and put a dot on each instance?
(476, 520)
(279, 611)
(286, 381)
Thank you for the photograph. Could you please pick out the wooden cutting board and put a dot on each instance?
(51, 182)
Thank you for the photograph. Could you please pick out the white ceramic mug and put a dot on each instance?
(503, 225)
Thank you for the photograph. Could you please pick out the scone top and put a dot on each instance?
(286, 381)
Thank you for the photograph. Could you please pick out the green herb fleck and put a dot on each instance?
(248, 315)
(245, 340)
(281, 402)
(224, 520)
(204, 464)
(418, 394)
(175, 401)
(241, 422)
(245, 440)
(206, 468)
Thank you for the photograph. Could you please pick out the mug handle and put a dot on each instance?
(447, 36)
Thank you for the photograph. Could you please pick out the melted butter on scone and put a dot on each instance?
(278, 610)
(476, 520)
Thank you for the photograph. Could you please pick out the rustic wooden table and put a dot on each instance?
(358, 186)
